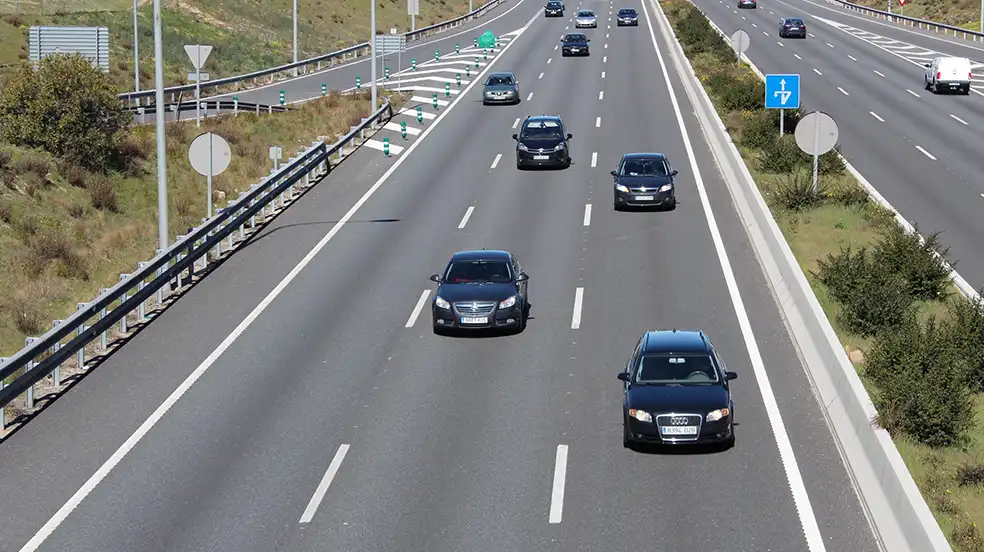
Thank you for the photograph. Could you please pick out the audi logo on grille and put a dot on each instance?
(678, 421)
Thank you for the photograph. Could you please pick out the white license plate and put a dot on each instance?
(541, 157)
(474, 320)
(687, 430)
(644, 198)
(574, 49)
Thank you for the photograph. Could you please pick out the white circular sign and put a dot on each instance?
(816, 133)
(209, 153)
(740, 41)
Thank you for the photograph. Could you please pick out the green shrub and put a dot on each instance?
(970, 474)
(760, 130)
(697, 36)
(966, 537)
(920, 263)
(842, 273)
(921, 384)
(782, 156)
(103, 194)
(849, 194)
(831, 163)
(795, 191)
(742, 94)
(66, 107)
(966, 325)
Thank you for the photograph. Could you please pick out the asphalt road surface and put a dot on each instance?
(919, 150)
(336, 419)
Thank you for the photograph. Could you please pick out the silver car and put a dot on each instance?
(586, 18)
(502, 87)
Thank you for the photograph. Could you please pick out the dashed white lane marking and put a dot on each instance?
(416, 309)
(829, 44)
(540, 77)
(797, 56)
(879, 73)
(495, 162)
(604, 59)
(765, 33)
(875, 115)
(597, 122)
(516, 123)
(771, 13)
(913, 93)
(754, 25)
(319, 493)
(468, 214)
(587, 215)
(601, 94)
(606, 46)
(780, 44)
(958, 119)
(926, 153)
(602, 74)
(817, 72)
(530, 97)
(594, 159)
(606, 35)
(743, 18)
(812, 35)
(852, 57)
(843, 91)
(549, 60)
(578, 303)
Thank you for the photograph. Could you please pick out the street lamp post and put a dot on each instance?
(136, 51)
(162, 228)
(372, 47)
(295, 36)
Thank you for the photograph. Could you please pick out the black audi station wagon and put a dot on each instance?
(481, 289)
(677, 391)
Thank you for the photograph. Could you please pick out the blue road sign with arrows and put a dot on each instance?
(782, 91)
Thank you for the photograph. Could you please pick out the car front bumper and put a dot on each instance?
(449, 319)
(553, 13)
(575, 51)
(586, 24)
(709, 432)
(630, 22)
(649, 198)
(549, 158)
(504, 99)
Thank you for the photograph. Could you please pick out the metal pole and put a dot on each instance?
(136, 51)
(413, 20)
(782, 120)
(470, 6)
(210, 175)
(399, 67)
(372, 48)
(198, 86)
(162, 228)
(295, 36)
(982, 17)
(816, 155)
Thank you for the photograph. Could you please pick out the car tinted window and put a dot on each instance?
(495, 80)
(626, 12)
(796, 21)
(575, 38)
(644, 167)
(478, 272)
(542, 130)
(553, 4)
(585, 13)
(677, 369)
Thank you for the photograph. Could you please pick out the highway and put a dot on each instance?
(919, 150)
(312, 408)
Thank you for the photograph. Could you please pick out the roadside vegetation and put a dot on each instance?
(78, 188)
(916, 342)
(245, 39)
(959, 13)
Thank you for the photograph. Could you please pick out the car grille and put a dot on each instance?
(679, 420)
(474, 308)
(646, 190)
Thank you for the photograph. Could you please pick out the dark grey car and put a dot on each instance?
(501, 88)
(644, 180)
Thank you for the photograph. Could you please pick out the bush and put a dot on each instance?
(782, 156)
(26, 314)
(742, 93)
(966, 325)
(5, 157)
(795, 191)
(53, 247)
(831, 163)
(922, 386)
(970, 474)
(75, 175)
(697, 36)
(842, 274)
(849, 194)
(66, 107)
(760, 130)
(920, 263)
(103, 194)
(31, 163)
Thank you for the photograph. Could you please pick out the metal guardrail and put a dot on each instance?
(234, 106)
(66, 343)
(911, 21)
(305, 66)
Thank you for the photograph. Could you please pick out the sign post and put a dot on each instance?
(198, 53)
(209, 155)
(740, 42)
(816, 134)
(413, 10)
(782, 92)
(276, 154)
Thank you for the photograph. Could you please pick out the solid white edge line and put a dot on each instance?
(495, 161)
(926, 153)
(594, 159)
(559, 482)
(801, 498)
(587, 214)
(464, 219)
(417, 308)
(319, 493)
(73, 502)
(578, 304)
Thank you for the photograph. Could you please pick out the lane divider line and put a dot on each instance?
(587, 215)
(495, 161)
(594, 159)
(464, 219)
(559, 482)
(319, 493)
(578, 303)
(417, 308)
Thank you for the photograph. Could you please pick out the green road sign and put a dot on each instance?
(420, 114)
(386, 147)
(403, 129)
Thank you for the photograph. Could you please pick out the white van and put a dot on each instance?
(948, 74)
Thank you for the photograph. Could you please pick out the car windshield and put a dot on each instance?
(585, 14)
(498, 80)
(626, 12)
(644, 167)
(677, 369)
(463, 272)
(542, 130)
(575, 38)
(553, 4)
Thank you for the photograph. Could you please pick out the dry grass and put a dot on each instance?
(961, 13)
(80, 231)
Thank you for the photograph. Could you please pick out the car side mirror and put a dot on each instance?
(522, 277)
(613, 173)
(728, 376)
(435, 278)
(624, 376)
(927, 65)
(515, 137)
(674, 172)
(588, 40)
(569, 135)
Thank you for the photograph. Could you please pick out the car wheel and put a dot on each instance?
(567, 163)
(519, 165)
(626, 440)
(616, 206)
(672, 206)
(966, 91)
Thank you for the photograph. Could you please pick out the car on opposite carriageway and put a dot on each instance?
(542, 141)
(677, 391)
(790, 27)
(481, 289)
(742, 4)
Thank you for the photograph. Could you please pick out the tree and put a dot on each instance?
(66, 107)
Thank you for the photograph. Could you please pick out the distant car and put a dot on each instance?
(502, 87)
(553, 9)
(481, 290)
(586, 18)
(542, 142)
(628, 16)
(575, 44)
(792, 27)
(677, 391)
(948, 74)
(747, 4)
(644, 180)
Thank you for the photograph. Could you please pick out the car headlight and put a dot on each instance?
(666, 187)
(622, 188)
(441, 303)
(717, 415)
(641, 415)
(559, 147)
(505, 304)
(522, 147)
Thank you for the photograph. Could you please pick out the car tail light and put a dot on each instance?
(939, 75)
(787, 26)
(970, 76)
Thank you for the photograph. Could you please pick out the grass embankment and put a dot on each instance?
(959, 13)
(917, 344)
(246, 37)
(65, 233)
